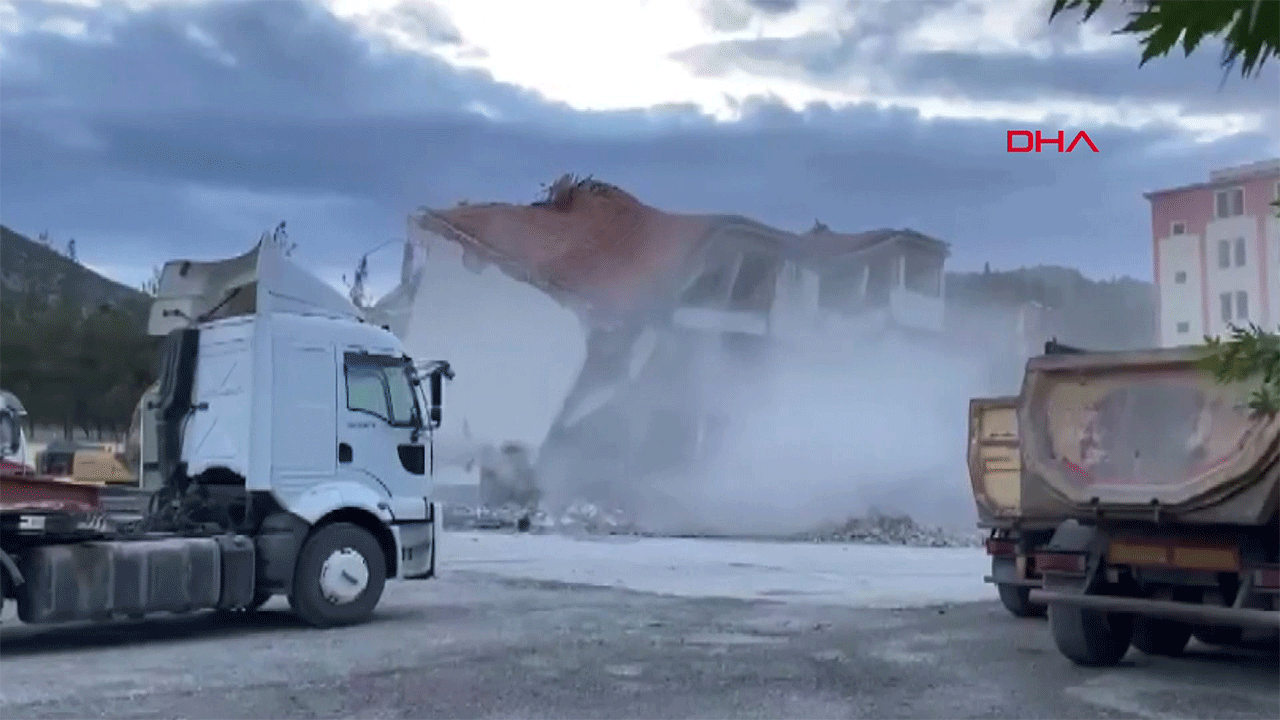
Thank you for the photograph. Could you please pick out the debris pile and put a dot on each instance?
(586, 518)
(888, 529)
(583, 518)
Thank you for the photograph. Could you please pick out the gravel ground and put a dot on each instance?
(484, 642)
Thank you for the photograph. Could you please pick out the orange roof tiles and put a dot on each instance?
(594, 241)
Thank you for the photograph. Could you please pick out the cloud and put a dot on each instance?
(774, 7)
(904, 49)
(189, 129)
(727, 15)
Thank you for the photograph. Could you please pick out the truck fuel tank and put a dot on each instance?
(103, 579)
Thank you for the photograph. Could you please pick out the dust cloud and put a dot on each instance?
(820, 435)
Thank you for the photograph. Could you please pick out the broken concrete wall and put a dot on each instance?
(516, 351)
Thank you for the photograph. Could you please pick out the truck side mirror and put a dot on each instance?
(437, 398)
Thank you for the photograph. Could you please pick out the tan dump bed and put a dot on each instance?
(995, 463)
(1144, 435)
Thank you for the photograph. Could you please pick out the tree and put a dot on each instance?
(1249, 29)
(1249, 352)
(71, 250)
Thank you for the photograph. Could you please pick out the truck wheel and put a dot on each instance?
(1090, 637)
(1158, 636)
(1017, 600)
(339, 576)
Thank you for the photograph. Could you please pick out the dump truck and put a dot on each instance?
(293, 449)
(1168, 487)
(995, 474)
(995, 465)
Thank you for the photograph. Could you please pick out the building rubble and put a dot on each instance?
(660, 316)
(582, 518)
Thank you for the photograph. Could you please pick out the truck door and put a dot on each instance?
(380, 440)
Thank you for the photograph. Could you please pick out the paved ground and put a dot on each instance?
(494, 639)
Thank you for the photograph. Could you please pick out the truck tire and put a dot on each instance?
(339, 576)
(1017, 600)
(1091, 638)
(1158, 636)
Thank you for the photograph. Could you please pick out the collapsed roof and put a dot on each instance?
(592, 242)
(586, 238)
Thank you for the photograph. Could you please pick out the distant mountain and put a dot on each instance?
(31, 270)
(74, 346)
(1115, 314)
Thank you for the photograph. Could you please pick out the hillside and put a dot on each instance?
(74, 346)
(31, 271)
(1116, 314)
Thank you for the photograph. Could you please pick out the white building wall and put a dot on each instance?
(515, 351)
(1234, 278)
(795, 311)
(916, 311)
(1180, 302)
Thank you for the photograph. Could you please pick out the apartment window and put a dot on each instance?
(1224, 253)
(1229, 203)
(1242, 305)
(1180, 277)
(757, 278)
(1184, 328)
(1224, 302)
(1178, 229)
(1241, 257)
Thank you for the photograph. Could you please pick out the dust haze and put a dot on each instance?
(824, 434)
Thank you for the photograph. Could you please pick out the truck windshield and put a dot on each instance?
(380, 386)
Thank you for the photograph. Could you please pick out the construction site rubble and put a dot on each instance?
(889, 529)
(583, 518)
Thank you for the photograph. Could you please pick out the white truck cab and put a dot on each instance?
(288, 444)
(15, 454)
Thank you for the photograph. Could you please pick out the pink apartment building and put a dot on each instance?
(1217, 253)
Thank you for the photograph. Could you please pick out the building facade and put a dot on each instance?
(1216, 249)
(615, 340)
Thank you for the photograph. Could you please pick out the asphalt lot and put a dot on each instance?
(490, 639)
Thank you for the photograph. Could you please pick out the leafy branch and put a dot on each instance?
(1249, 29)
(1248, 353)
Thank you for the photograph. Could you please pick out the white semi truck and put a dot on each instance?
(292, 446)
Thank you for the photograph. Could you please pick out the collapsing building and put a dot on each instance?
(612, 336)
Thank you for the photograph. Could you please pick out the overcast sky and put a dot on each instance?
(150, 129)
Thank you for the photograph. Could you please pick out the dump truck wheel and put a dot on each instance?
(1090, 637)
(1157, 636)
(1017, 600)
(339, 576)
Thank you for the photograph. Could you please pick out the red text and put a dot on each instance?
(1020, 141)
